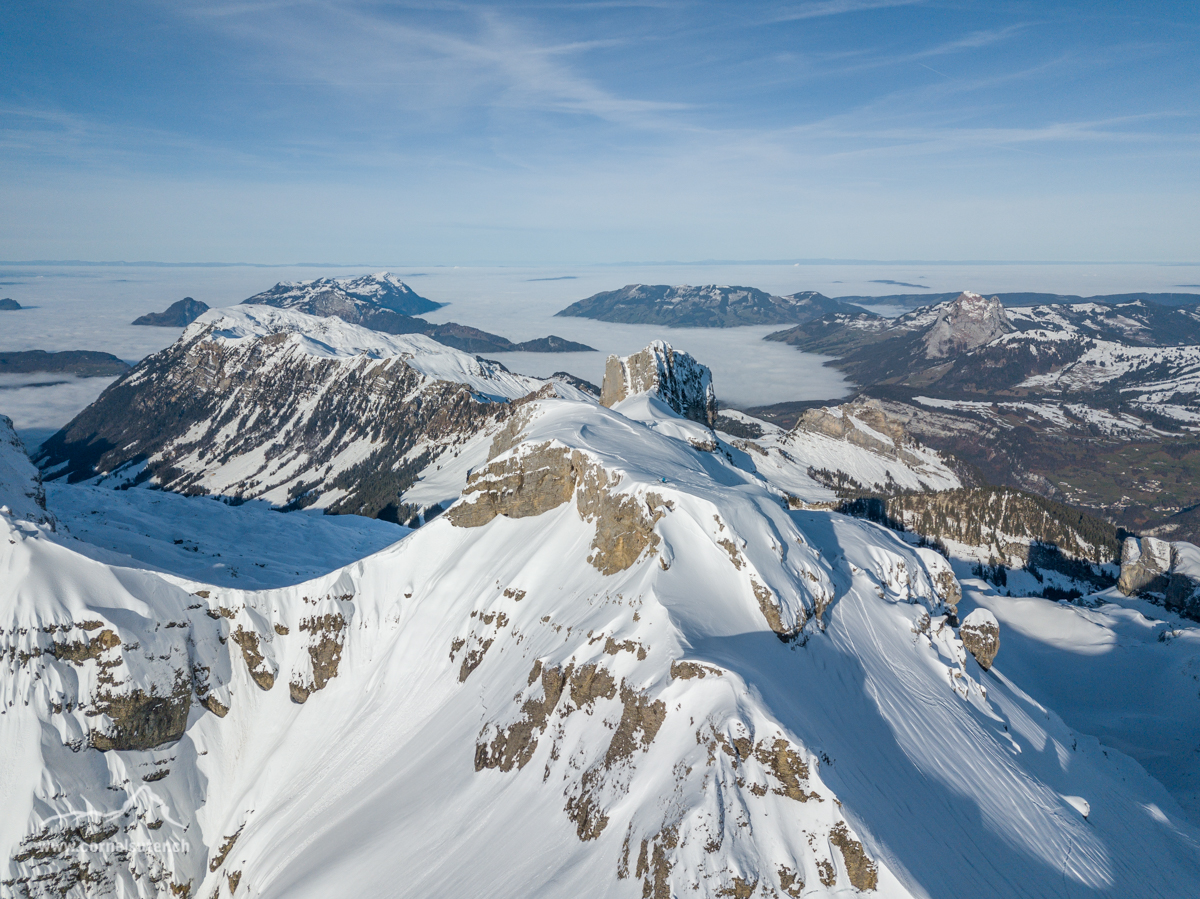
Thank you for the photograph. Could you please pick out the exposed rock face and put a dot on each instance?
(539, 477)
(1145, 565)
(21, 488)
(863, 423)
(297, 410)
(980, 634)
(1170, 570)
(1183, 588)
(178, 315)
(526, 483)
(674, 377)
(964, 324)
(326, 641)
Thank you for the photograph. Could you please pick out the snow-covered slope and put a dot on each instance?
(20, 483)
(249, 545)
(620, 666)
(1120, 669)
(262, 403)
(853, 447)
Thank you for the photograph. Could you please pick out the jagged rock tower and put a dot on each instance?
(673, 376)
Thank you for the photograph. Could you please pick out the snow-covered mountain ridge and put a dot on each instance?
(382, 302)
(581, 691)
(383, 290)
(261, 403)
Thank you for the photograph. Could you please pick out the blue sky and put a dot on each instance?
(464, 133)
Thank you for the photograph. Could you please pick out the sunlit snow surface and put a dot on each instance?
(957, 781)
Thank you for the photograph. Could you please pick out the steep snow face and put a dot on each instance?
(964, 324)
(20, 483)
(264, 403)
(620, 666)
(673, 376)
(382, 290)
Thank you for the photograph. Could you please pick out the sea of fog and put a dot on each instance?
(90, 308)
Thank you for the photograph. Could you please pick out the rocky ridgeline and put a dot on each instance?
(1167, 571)
(863, 422)
(673, 376)
(259, 403)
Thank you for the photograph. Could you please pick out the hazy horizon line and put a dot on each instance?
(817, 261)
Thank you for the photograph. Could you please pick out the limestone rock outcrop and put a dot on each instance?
(673, 376)
(1183, 587)
(965, 323)
(1145, 565)
(862, 422)
(536, 478)
(980, 634)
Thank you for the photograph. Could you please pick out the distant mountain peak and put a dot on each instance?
(179, 314)
(703, 306)
(964, 323)
(381, 289)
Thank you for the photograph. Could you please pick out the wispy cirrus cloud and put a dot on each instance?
(822, 8)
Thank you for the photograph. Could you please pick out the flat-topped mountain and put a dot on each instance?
(179, 314)
(384, 303)
(708, 306)
(9, 305)
(85, 363)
